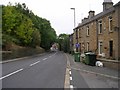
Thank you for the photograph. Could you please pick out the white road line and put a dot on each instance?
(54, 54)
(70, 72)
(34, 63)
(11, 74)
(71, 86)
(44, 58)
(71, 78)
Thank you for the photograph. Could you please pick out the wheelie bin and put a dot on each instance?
(77, 57)
(90, 59)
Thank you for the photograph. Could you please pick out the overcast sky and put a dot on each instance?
(58, 12)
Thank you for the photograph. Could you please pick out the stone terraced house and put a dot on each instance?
(100, 33)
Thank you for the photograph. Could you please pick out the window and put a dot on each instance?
(88, 31)
(87, 46)
(100, 27)
(100, 47)
(76, 34)
(111, 48)
(79, 33)
(110, 24)
(83, 45)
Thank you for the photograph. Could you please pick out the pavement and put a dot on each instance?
(103, 71)
(83, 76)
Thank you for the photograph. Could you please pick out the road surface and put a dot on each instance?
(44, 71)
(51, 70)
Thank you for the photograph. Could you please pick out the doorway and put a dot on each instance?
(111, 48)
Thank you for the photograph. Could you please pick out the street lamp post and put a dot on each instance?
(74, 16)
(74, 27)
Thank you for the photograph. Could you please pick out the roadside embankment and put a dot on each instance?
(19, 51)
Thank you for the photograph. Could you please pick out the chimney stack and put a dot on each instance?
(84, 20)
(107, 4)
(91, 14)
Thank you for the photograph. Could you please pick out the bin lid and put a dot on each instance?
(82, 55)
(90, 53)
(77, 52)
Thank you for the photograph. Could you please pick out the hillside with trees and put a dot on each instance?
(22, 27)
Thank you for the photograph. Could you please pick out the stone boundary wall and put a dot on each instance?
(21, 52)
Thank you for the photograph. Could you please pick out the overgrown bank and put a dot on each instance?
(28, 33)
(18, 51)
(22, 27)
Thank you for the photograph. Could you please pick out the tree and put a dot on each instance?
(36, 40)
(63, 40)
(22, 27)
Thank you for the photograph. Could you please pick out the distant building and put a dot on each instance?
(100, 33)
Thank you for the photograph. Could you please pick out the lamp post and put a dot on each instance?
(74, 27)
(74, 16)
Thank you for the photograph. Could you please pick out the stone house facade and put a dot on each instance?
(100, 33)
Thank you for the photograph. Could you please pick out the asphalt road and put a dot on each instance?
(43, 71)
(52, 70)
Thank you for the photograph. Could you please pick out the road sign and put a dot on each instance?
(77, 45)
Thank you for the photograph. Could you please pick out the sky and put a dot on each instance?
(58, 12)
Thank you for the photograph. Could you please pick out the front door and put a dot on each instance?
(111, 48)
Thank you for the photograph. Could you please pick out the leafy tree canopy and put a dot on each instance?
(21, 26)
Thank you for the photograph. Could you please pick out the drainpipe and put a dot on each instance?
(96, 51)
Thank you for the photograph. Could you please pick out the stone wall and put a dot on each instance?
(21, 52)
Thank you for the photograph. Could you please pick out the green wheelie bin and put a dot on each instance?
(90, 59)
(77, 57)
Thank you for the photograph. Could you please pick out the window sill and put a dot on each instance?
(100, 33)
(87, 35)
(111, 31)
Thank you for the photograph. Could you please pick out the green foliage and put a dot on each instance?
(36, 38)
(17, 25)
(22, 27)
(63, 41)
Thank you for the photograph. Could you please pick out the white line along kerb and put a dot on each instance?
(11, 74)
(70, 78)
(70, 72)
(71, 86)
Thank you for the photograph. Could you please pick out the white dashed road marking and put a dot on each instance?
(70, 72)
(11, 74)
(34, 63)
(71, 86)
(19, 69)
(70, 78)
(44, 58)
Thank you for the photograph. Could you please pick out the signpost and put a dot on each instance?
(77, 45)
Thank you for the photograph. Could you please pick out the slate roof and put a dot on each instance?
(98, 16)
